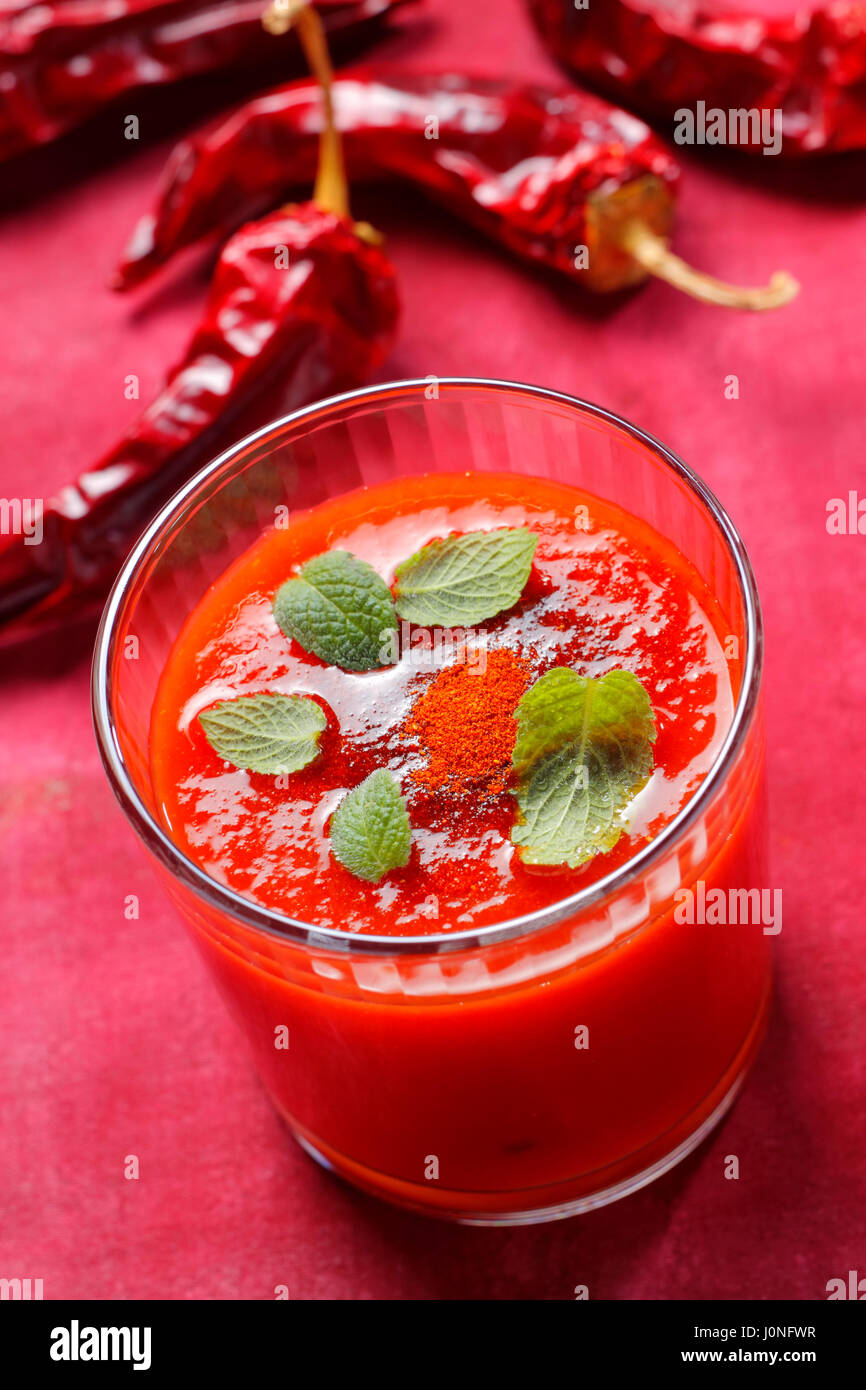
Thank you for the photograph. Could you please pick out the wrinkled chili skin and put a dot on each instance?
(662, 55)
(516, 161)
(62, 62)
(319, 326)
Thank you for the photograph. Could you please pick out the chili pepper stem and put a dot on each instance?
(653, 253)
(331, 191)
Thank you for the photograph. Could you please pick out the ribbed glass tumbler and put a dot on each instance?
(441, 1072)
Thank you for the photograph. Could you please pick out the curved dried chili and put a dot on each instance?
(560, 178)
(664, 55)
(305, 297)
(62, 62)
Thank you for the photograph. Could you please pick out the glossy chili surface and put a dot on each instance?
(521, 162)
(805, 58)
(299, 307)
(65, 60)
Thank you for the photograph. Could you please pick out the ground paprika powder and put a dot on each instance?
(464, 725)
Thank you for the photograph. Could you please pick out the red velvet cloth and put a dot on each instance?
(114, 1040)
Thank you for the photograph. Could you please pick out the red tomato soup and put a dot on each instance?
(530, 1075)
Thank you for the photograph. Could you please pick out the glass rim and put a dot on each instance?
(276, 924)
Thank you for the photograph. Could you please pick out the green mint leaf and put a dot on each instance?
(583, 750)
(339, 609)
(465, 579)
(370, 831)
(265, 733)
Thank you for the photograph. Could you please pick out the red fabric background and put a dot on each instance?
(114, 1041)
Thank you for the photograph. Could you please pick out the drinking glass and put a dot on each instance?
(517, 1072)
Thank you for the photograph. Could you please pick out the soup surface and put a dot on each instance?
(604, 592)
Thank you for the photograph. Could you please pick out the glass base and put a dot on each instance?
(449, 1207)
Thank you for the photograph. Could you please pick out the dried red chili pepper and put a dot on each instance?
(544, 173)
(661, 56)
(304, 295)
(63, 61)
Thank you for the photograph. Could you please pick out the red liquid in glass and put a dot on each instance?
(471, 1058)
